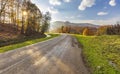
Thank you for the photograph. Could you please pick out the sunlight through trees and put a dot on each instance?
(24, 15)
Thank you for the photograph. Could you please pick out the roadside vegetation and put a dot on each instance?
(101, 53)
(26, 41)
(21, 23)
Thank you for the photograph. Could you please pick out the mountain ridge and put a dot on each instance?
(58, 24)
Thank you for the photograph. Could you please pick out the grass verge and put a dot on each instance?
(101, 53)
(25, 43)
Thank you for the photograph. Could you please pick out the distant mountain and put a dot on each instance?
(59, 24)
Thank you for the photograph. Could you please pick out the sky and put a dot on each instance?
(99, 12)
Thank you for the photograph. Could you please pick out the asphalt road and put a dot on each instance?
(60, 55)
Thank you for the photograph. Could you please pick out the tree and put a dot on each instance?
(3, 3)
(24, 15)
(34, 16)
(62, 28)
(101, 30)
(46, 22)
(86, 31)
(113, 30)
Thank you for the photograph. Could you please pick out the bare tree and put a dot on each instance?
(3, 3)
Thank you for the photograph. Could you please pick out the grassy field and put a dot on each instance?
(27, 42)
(101, 53)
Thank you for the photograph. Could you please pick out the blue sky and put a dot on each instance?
(99, 12)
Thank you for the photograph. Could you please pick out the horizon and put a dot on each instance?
(99, 12)
(59, 37)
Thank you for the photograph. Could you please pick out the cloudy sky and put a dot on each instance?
(82, 11)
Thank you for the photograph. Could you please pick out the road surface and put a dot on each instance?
(60, 55)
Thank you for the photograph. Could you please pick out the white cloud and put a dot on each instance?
(112, 3)
(86, 3)
(67, 1)
(102, 13)
(97, 22)
(73, 17)
(109, 21)
(70, 17)
(53, 10)
(55, 2)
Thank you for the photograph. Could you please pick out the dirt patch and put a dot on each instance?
(75, 41)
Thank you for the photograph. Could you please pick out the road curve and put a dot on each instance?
(60, 55)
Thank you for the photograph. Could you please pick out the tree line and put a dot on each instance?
(101, 30)
(24, 15)
(76, 30)
(113, 30)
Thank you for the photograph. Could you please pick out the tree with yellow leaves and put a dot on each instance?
(86, 31)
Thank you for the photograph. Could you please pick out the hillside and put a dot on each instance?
(8, 31)
(59, 24)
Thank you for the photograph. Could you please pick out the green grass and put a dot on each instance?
(22, 44)
(101, 53)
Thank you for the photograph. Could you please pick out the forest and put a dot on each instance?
(24, 16)
(21, 20)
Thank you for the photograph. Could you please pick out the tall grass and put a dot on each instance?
(102, 53)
